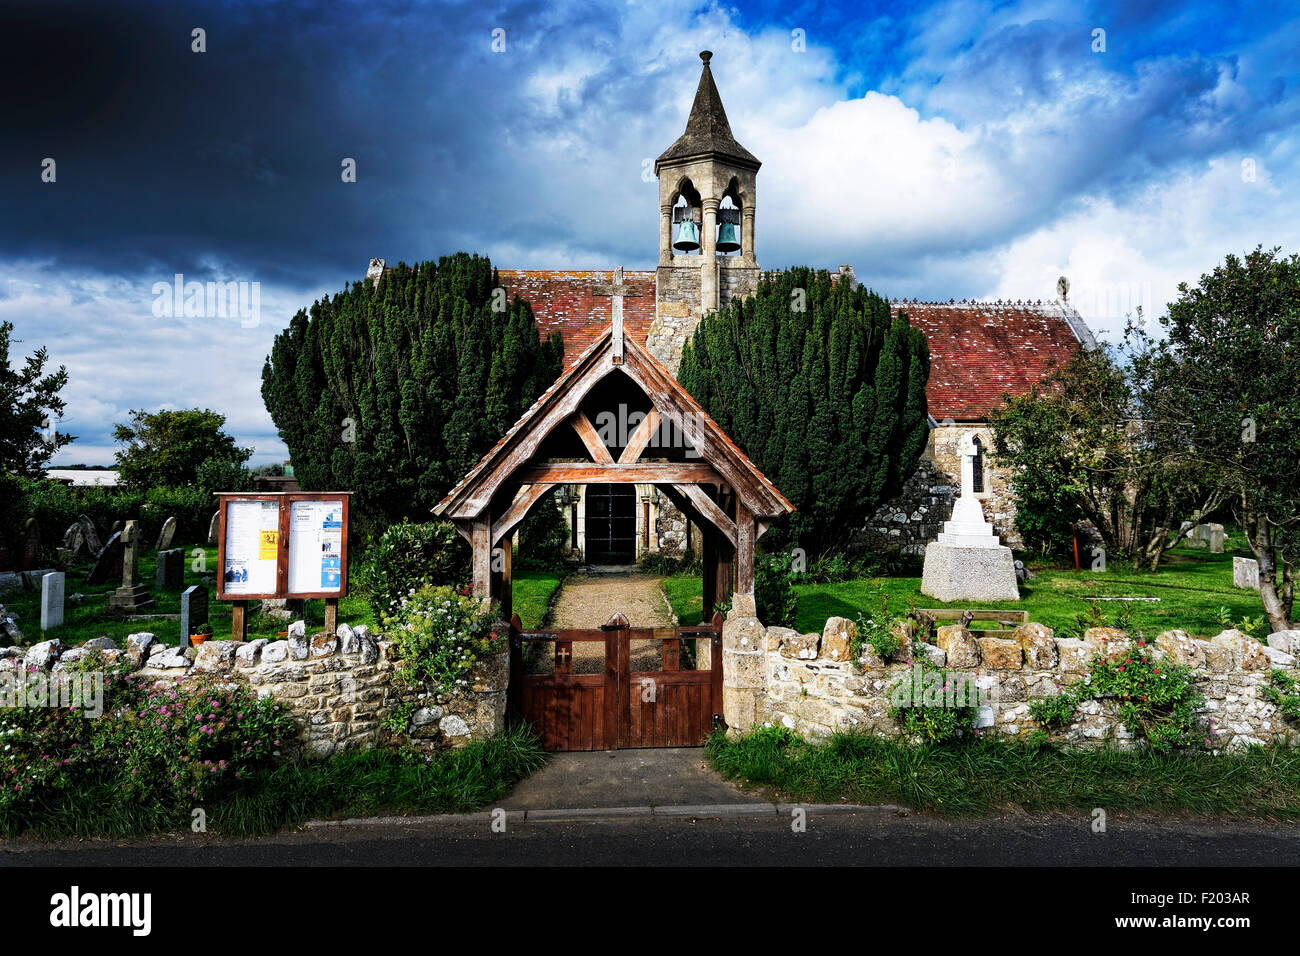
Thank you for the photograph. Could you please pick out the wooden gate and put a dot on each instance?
(618, 686)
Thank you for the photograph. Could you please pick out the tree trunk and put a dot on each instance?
(1261, 543)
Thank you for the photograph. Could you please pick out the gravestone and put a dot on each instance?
(214, 526)
(968, 562)
(1245, 573)
(132, 595)
(90, 534)
(166, 534)
(52, 586)
(31, 545)
(116, 527)
(1217, 536)
(171, 570)
(73, 541)
(194, 611)
(108, 561)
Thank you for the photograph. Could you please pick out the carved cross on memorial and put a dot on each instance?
(132, 595)
(617, 290)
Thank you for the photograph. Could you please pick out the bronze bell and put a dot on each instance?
(688, 236)
(728, 241)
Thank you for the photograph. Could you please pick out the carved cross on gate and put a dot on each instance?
(617, 289)
(562, 655)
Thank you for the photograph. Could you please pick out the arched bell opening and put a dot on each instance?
(729, 242)
(687, 219)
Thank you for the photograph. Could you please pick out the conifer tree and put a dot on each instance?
(828, 400)
(395, 391)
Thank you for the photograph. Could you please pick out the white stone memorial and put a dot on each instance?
(967, 562)
(52, 585)
(1245, 573)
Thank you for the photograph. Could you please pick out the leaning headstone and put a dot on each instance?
(1217, 536)
(1245, 573)
(90, 534)
(52, 586)
(194, 611)
(108, 561)
(166, 534)
(73, 541)
(171, 570)
(213, 527)
(132, 595)
(31, 545)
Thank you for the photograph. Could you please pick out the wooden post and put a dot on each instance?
(238, 620)
(514, 687)
(331, 616)
(506, 593)
(480, 539)
(709, 559)
(744, 550)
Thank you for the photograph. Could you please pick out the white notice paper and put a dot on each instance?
(252, 540)
(315, 546)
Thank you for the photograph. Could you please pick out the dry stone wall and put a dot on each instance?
(809, 684)
(338, 689)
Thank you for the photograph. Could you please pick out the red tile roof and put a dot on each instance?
(979, 350)
(564, 301)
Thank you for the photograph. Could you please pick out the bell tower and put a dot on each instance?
(706, 223)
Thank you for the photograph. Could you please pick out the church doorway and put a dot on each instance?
(611, 524)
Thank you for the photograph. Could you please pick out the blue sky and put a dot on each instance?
(953, 150)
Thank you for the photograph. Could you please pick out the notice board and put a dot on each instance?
(286, 545)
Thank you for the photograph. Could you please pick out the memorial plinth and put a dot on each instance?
(967, 562)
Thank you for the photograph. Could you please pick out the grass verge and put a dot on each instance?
(364, 783)
(987, 776)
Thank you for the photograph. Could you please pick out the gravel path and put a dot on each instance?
(591, 600)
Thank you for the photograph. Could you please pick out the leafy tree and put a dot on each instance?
(1079, 449)
(173, 448)
(29, 404)
(394, 392)
(828, 400)
(1222, 388)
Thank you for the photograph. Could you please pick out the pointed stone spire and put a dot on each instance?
(708, 134)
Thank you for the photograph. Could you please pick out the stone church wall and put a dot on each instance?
(338, 690)
(806, 683)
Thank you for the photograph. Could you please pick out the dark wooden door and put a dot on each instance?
(618, 687)
(611, 524)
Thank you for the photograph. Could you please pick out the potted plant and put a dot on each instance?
(201, 634)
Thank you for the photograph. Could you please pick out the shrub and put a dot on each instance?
(1157, 702)
(774, 596)
(408, 557)
(937, 722)
(440, 635)
(191, 506)
(163, 741)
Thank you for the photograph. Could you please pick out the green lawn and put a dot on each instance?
(532, 595)
(92, 617)
(1191, 584)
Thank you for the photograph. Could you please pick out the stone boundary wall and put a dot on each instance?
(338, 689)
(807, 683)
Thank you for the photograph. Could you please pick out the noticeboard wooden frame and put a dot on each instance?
(285, 501)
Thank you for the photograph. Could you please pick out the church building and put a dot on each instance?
(706, 258)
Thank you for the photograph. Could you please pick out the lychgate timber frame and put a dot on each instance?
(709, 478)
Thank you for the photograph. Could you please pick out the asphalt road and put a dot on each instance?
(873, 838)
